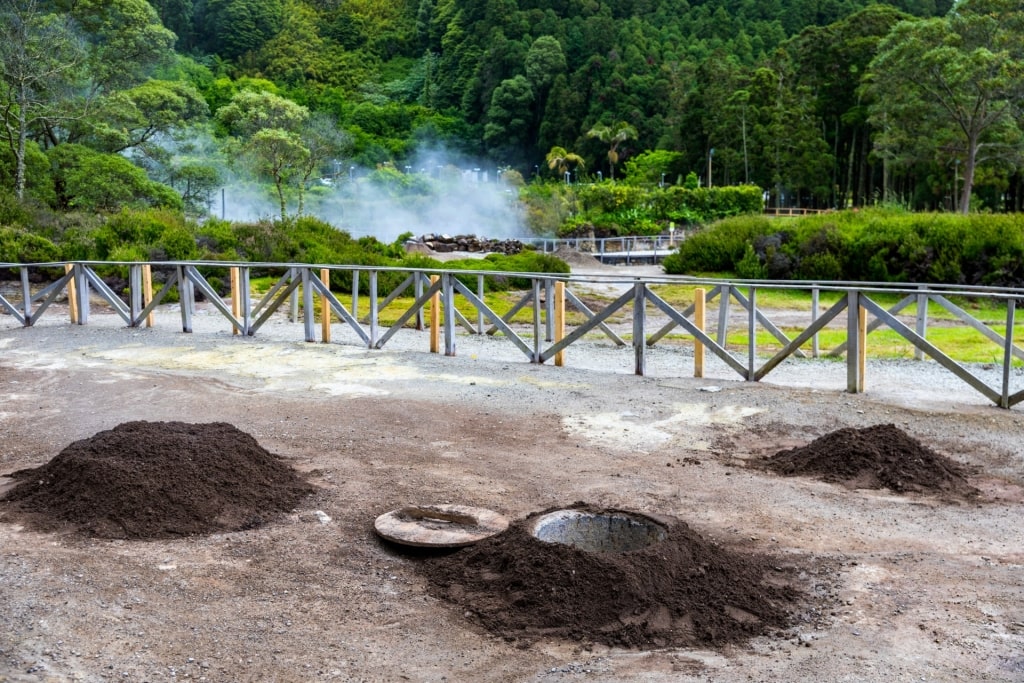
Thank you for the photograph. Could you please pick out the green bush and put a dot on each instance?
(20, 246)
(718, 248)
(152, 234)
(86, 179)
(878, 245)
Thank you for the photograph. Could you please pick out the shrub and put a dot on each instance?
(20, 246)
(91, 180)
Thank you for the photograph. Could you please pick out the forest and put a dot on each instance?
(109, 104)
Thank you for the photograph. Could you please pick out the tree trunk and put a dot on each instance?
(849, 170)
(280, 196)
(19, 153)
(969, 163)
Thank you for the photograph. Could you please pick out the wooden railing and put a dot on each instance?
(301, 290)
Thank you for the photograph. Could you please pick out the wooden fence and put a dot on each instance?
(426, 300)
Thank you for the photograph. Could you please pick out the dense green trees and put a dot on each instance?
(951, 89)
(820, 104)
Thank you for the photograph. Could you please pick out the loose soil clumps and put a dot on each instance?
(682, 591)
(147, 480)
(878, 457)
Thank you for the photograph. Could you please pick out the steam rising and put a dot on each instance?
(444, 200)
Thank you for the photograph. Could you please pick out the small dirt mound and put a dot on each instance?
(878, 457)
(146, 480)
(682, 591)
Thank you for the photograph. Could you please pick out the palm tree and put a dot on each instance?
(559, 159)
(613, 136)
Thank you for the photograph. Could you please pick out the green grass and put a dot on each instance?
(956, 339)
(964, 345)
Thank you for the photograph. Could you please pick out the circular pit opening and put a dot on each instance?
(599, 532)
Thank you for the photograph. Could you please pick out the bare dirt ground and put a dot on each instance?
(910, 587)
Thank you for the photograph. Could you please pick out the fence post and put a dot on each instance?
(325, 308)
(815, 304)
(417, 288)
(549, 310)
(293, 299)
(723, 313)
(535, 284)
(308, 311)
(862, 344)
(922, 322)
(147, 292)
(235, 307)
(449, 313)
(698, 320)
(186, 298)
(559, 320)
(752, 335)
(355, 295)
(639, 312)
(1011, 305)
(854, 381)
(26, 296)
(374, 310)
(245, 299)
(435, 318)
(72, 295)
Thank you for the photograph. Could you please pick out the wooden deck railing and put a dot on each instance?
(300, 291)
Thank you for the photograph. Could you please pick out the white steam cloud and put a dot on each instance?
(438, 198)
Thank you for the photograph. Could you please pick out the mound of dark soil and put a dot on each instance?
(878, 457)
(682, 591)
(147, 480)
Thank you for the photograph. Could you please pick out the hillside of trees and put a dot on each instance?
(832, 103)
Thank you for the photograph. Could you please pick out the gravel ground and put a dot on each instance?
(911, 588)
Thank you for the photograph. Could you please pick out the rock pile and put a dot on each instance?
(471, 243)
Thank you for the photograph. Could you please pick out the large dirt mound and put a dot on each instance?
(148, 480)
(877, 457)
(682, 591)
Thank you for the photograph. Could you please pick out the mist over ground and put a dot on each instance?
(445, 199)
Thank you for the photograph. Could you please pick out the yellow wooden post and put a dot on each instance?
(325, 308)
(862, 335)
(147, 292)
(435, 318)
(72, 298)
(236, 296)
(559, 320)
(698, 321)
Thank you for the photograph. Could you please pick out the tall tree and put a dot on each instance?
(963, 73)
(509, 116)
(613, 136)
(268, 129)
(559, 159)
(42, 61)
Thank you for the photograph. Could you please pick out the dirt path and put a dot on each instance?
(907, 587)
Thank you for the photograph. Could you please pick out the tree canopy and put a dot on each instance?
(838, 104)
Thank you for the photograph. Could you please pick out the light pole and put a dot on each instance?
(711, 155)
(662, 180)
(567, 178)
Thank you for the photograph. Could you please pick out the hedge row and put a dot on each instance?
(164, 235)
(872, 245)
